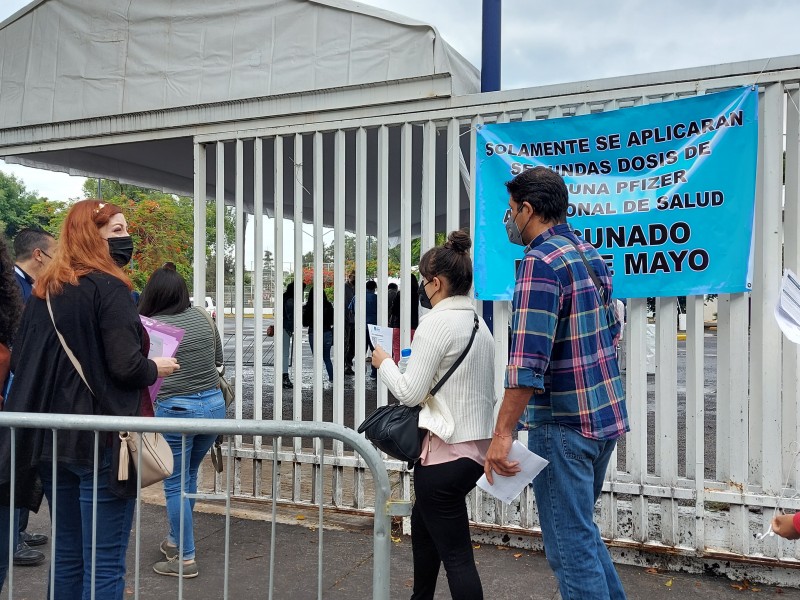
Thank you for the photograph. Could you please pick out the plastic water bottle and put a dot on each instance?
(405, 355)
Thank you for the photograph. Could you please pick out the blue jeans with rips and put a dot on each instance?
(566, 492)
(201, 405)
(73, 535)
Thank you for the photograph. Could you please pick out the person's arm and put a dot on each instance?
(787, 526)
(122, 343)
(537, 301)
(427, 351)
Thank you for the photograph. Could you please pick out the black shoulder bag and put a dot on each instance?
(394, 428)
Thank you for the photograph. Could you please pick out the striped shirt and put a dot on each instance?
(198, 354)
(563, 339)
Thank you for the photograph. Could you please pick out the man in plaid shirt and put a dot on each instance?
(562, 382)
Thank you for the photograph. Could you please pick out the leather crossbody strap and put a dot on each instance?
(460, 358)
(61, 339)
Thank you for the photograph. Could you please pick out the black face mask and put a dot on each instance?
(424, 301)
(121, 249)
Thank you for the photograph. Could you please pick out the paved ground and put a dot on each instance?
(347, 565)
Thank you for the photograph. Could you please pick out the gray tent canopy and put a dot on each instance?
(118, 88)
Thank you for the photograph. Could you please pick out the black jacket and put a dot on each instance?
(327, 314)
(102, 328)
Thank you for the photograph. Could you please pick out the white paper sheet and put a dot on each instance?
(506, 489)
(787, 311)
(381, 336)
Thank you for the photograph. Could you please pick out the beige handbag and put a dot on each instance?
(157, 459)
(156, 455)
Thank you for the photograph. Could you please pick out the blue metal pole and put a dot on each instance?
(490, 82)
(490, 48)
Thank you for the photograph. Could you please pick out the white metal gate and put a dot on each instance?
(388, 167)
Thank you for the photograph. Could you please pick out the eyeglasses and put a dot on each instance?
(46, 254)
(507, 217)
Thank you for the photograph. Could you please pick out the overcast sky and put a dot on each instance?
(572, 40)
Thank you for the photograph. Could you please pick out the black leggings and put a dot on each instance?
(440, 529)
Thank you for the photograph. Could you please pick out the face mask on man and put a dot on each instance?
(424, 300)
(120, 249)
(512, 229)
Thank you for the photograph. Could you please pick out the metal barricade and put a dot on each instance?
(384, 507)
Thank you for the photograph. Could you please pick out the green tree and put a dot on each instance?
(15, 207)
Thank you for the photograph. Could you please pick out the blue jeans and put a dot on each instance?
(73, 535)
(566, 492)
(327, 343)
(201, 405)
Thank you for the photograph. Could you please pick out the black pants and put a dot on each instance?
(440, 529)
(349, 345)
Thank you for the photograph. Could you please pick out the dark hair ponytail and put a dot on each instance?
(451, 261)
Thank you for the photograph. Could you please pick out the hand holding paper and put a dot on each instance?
(381, 336)
(507, 489)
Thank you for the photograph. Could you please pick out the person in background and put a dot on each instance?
(448, 468)
(394, 316)
(391, 293)
(33, 249)
(288, 331)
(89, 295)
(371, 305)
(10, 314)
(562, 374)
(327, 328)
(349, 324)
(192, 393)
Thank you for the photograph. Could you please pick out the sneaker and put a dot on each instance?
(349, 371)
(287, 383)
(27, 557)
(32, 539)
(172, 568)
(168, 550)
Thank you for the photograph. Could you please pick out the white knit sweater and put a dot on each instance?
(439, 340)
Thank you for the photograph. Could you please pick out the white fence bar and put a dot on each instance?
(383, 242)
(666, 440)
(339, 275)
(695, 411)
(359, 499)
(279, 339)
(453, 175)
(258, 305)
(199, 237)
(320, 372)
(636, 393)
(297, 338)
(767, 340)
(428, 214)
(406, 195)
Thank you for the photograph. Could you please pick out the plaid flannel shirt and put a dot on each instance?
(564, 339)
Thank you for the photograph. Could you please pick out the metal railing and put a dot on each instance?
(367, 456)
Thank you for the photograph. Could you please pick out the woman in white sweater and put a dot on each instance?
(452, 457)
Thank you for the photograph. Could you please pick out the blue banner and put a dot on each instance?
(665, 192)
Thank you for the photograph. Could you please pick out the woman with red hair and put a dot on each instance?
(92, 309)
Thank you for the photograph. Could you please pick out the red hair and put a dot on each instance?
(81, 249)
